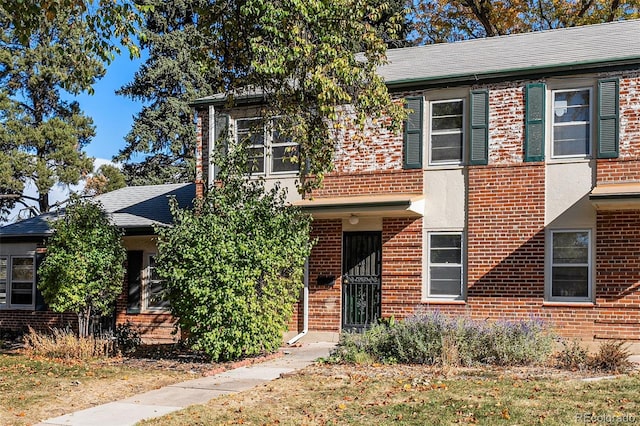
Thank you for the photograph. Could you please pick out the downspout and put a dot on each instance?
(305, 306)
(211, 142)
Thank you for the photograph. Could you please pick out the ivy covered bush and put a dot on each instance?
(233, 266)
(435, 339)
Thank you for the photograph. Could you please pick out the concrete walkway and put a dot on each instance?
(162, 401)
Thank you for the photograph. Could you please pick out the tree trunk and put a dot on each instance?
(84, 317)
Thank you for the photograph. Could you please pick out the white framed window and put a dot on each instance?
(446, 136)
(445, 260)
(270, 152)
(154, 298)
(571, 116)
(17, 282)
(251, 132)
(570, 270)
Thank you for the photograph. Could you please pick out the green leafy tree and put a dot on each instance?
(112, 22)
(163, 134)
(83, 269)
(306, 59)
(438, 21)
(42, 135)
(233, 266)
(107, 178)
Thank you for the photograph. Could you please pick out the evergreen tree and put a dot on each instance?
(163, 134)
(106, 179)
(42, 135)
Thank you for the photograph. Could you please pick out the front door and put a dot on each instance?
(361, 279)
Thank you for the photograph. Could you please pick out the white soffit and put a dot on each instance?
(388, 205)
(616, 196)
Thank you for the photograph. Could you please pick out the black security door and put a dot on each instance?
(361, 279)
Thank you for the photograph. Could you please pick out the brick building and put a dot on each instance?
(514, 191)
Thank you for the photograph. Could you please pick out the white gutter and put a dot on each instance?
(305, 306)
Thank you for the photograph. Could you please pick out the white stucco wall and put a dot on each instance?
(567, 195)
(445, 206)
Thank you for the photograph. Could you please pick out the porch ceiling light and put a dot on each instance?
(353, 219)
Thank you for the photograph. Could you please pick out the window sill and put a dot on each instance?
(452, 166)
(569, 160)
(17, 308)
(443, 302)
(274, 175)
(560, 304)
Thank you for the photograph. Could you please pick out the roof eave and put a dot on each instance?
(510, 74)
(243, 100)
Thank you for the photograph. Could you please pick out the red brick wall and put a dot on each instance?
(506, 123)
(618, 171)
(505, 238)
(618, 274)
(401, 266)
(629, 115)
(368, 183)
(374, 149)
(19, 320)
(202, 150)
(325, 260)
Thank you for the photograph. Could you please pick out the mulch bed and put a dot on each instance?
(177, 357)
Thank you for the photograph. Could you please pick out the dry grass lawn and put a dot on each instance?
(33, 389)
(412, 395)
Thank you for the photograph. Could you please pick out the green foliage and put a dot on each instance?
(233, 266)
(112, 21)
(307, 60)
(432, 338)
(42, 135)
(163, 134)
(83, 270)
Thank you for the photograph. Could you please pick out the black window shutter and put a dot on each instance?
(413, 134)
(608, 118)
(479, 127)
(41, 305)
(220, 141)
(134, 280)
(534, 138)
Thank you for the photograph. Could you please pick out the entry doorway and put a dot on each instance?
(361, 279)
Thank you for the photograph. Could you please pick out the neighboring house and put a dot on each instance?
(514, 191)
(135, 210)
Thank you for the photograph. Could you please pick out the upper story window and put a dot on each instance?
(17, 282)
(570, 268)
(447, 135)
(571, 123)
(269, 151)
(445, 278)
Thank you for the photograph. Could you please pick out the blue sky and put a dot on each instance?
(112, 115)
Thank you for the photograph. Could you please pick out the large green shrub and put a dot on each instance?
(233, 266)
(83, 270)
